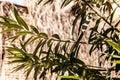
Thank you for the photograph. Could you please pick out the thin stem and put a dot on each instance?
(69, 41)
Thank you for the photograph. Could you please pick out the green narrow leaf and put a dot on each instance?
(112, 55)
(16, 61)
(97, 24)
(75, 46)
(11, 25)
(48, 52)
(116, 25)
(56, 36)
(8, 19)
(75, 60)
(81, 23)
(24, 44)
(36, 73)
(115, 45)
(70, 77)
(91, 36)
(13, 38)
(27, 71)
(74, 52)
(83, 18)
(42, 75)
(57, 47)
(76, 19)
(37, 47)
(7, 30)
(64, 47)
(16, 13)
(65, 3)
(80, 37)
(19, 67)
(24, 33)
(112, 15)
(61, 56)
(48, 1)
(20, 20)
(28, 41)
(49, 42)
(57, 68)
(106, 32)
(33, 40)
(77, 51)
(15, 50)
(42, 45)
(93, 47)
(34, 29)
(42, 35)
(116, 61)
(40, 1)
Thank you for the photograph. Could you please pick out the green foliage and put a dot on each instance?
(51, 53)
(69, 77)
(116, 58)
(44, 56)
(115, 45)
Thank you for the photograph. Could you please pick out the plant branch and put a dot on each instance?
(100, 68)
(97, 13)
(60, 40)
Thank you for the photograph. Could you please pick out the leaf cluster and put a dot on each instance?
(51, 53)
